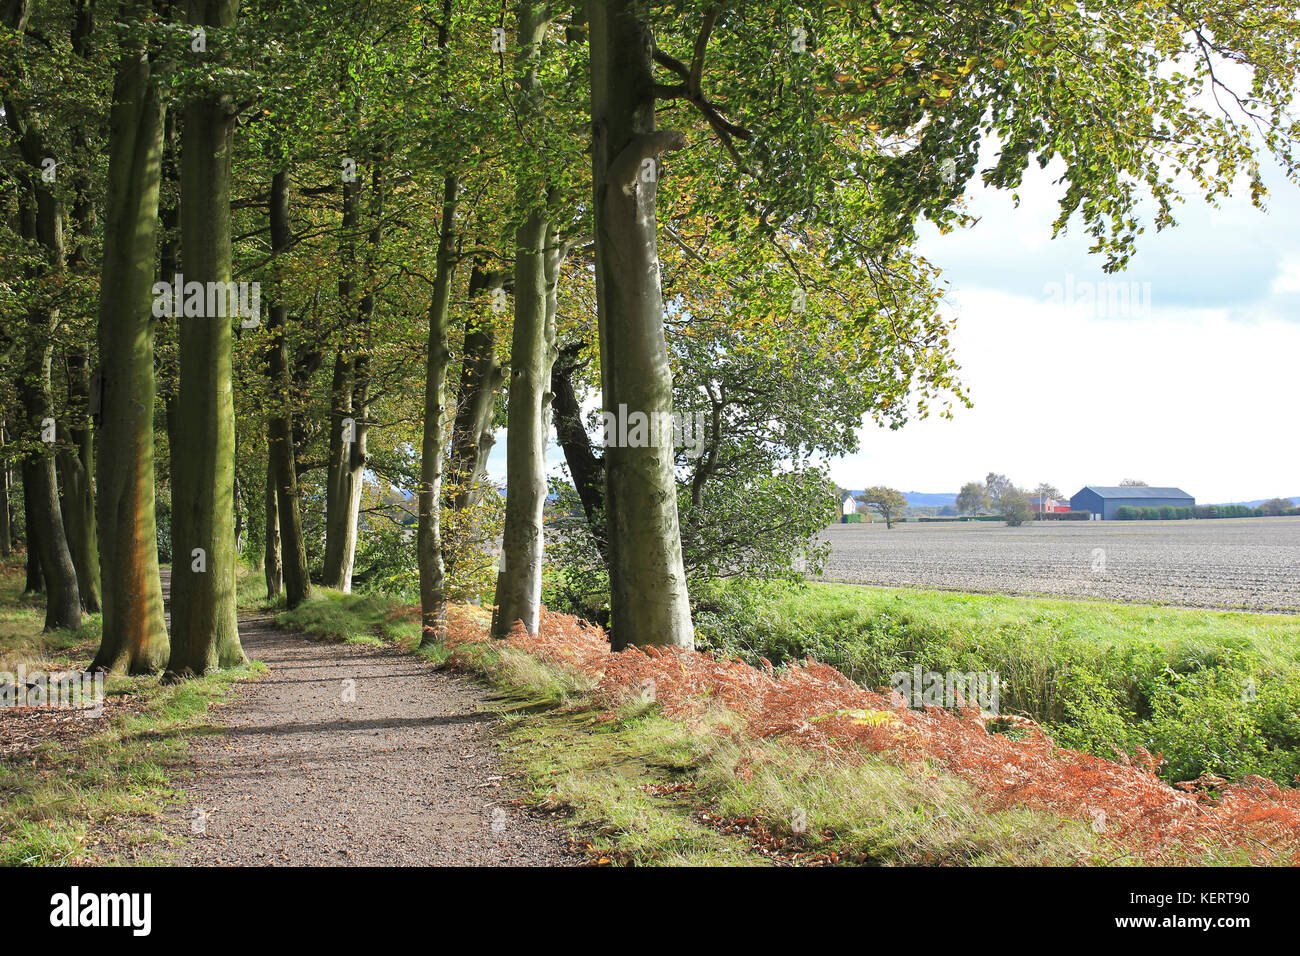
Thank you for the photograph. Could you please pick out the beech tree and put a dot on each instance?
(134, 630)
(205, 628)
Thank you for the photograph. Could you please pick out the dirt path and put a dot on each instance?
(353, 755)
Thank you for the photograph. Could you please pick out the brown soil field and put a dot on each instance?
(1232, 563)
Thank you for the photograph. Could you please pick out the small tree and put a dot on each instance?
(887, 502)
(1013, 505)
(972, 497)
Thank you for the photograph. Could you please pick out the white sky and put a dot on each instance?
(1198, 390)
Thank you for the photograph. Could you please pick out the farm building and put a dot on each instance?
(1104, 502)
(1042, 505)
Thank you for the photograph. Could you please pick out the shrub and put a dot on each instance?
(1014, 507)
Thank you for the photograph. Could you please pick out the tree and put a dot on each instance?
(134, 629)
(973, 497)
(540, 253)
(648, 595)
(1046, 490)
(1277, 506)
(1132, 483)
(205, 625)
(41, 215)
(887, 502)
(1014, 506)
(284, 519)
(996, 485)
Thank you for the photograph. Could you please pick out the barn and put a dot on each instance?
(1104, 502)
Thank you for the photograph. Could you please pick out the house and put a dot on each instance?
(849, 506)
(1104, 501)
(1042, 505)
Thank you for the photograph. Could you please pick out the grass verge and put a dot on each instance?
(73, 789)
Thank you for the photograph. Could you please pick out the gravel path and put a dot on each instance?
(353, 755)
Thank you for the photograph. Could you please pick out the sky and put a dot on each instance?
(1180, 371)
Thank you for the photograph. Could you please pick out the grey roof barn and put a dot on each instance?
(1105, 501)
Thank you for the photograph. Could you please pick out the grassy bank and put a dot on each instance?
(1213, 692)
(75, 789)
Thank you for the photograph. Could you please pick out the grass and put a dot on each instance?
(59, 798)
(353, 618)
(640, 788)
(1215, 692)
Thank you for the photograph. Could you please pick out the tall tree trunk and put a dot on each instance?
(63, 600)
(6, 533)
(282, 475)
(481, 377)
(585, 467)
(205, 627)
(532, 351)
(43, 222)
(271, 560)
(76, 465)
(433, 582)
(134, 628)
(648, 599)
(35, 579)
(76, 461)
(351, 390)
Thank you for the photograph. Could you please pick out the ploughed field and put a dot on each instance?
(1234, 563)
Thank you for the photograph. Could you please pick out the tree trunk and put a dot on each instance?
(134, 628)
(648, 599)
(481, 377)
(35, 579)
(433, 583)
(205, 627)
(76, 464)
(532, 351)
(585, 467)
(43, 222)
(282, 475)
(6, 534)
(519, 584)
(271, 559)
(351, 390)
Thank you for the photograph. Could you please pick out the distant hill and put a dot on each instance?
(1257, 502)
(922, 499)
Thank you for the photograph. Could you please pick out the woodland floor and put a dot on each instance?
(404, 774)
